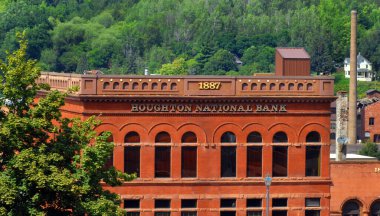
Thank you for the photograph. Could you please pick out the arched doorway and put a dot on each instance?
(351, 208)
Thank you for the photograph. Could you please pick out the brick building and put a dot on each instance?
(369, 115)
(202, 145)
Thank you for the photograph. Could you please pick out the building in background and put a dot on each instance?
(369, 117)
(364, 69)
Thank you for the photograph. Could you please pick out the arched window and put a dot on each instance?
(351, 208)
(132, 137)
(280, 137)
(375, 208)
(109, 162)
(282, 86)
(163, 137)
(309, 87)
(106, 85)
(254, 86)
(300, 87)
(189, 137)
(132, 154)
(154, 86)
(228, 137)
(263, 86)
(244, 86)
(173, 86)
(164, 86)
(144, 86)
(291, 86)
(115, 85)
(272, 86)
(313, 136)
(254, 137)
(135, 85)
(125, 85)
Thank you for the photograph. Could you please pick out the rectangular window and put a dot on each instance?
(253, 213)
(254, 161)
(228, 203)
(161, 213)
(313, 160)
(187, 205)
(279, 213)
(279, 202)
(132, 205)
(254, 203)
(312, 212)
(371, 121)
(132, 160)
(280, 161)
(228, 161)
(162, 203)
(162, 162)
(189, 162)
(312, 202)
(227, 213)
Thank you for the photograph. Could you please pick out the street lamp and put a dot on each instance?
(267, 181)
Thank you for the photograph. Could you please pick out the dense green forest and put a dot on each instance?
(186, 36)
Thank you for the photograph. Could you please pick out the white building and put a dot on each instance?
(364, 69)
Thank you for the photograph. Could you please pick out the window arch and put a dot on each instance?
(163, 137)
(375, 208)
(106, 85)
(244, 86)
(272, 86)
(144, 86)
(135, 85)
(300, 87)
(189, 137)
(125, 85)
(228, 137)
(351, 208)
(115, 85)
(132, 137)
(282, 86)
(263, 86)
(313, 136)
(309, 87)
(280, 137)
(164, 86)
(291, 86)
(254, 137)
(154, 86)
(254, 86)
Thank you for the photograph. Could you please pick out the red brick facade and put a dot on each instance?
(149, 105)
(370, 119)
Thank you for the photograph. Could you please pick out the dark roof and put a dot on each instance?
(359, 59)
(293, 53)
(371, 91)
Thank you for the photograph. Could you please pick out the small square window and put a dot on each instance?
(371, 121)
(279, 213)
(133, 214)
(162, 214)
(188, 203)
(189, 213)
(228, 203)
(255, 203)
(162, 203)
(254, 213)
(312, 202)
(279, 202)
(312, 213)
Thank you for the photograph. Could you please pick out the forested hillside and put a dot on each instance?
(186, 36)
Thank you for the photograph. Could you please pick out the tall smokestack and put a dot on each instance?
(353, 82)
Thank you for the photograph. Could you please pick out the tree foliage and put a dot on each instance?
(49, 165)
(370, 149)
(129, 36)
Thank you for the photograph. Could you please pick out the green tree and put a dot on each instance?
(370, 149)
(178, 67)
(49, 165)
(221, 62)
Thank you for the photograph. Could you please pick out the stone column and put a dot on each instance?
(341, 123)
(353, 82)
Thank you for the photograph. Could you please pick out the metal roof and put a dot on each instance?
(293, 53)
